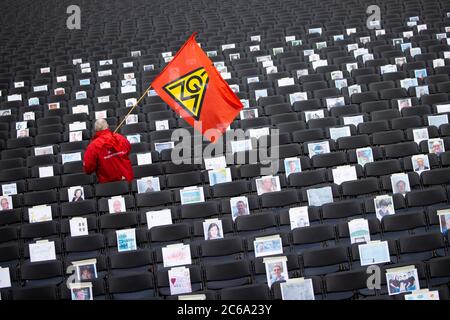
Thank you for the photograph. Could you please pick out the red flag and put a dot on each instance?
(192, 86)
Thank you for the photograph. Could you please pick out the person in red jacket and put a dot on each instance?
(107, 155)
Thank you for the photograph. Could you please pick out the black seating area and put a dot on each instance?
(133, 35)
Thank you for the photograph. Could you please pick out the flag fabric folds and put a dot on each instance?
(192, 86)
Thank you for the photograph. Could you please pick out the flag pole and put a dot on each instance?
(132, 108)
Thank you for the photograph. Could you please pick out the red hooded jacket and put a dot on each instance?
(107, 155)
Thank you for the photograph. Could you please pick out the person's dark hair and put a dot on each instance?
(76, 190)
(383, 203)
(86, 269)
(410, 281)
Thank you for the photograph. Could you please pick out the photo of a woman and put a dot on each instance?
(78, 195)
(214, 232)
(212, 229)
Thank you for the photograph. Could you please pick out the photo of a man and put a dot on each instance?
(5, 203)
(149, 184)
(277, 273)
(436, 146)
(400, 183)
(267, 184)
(292, 165)
(384, 206)
(420, 163)
(401, 186)
(383, 209)
(116, 205)
(239, 207)
(276, 270)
